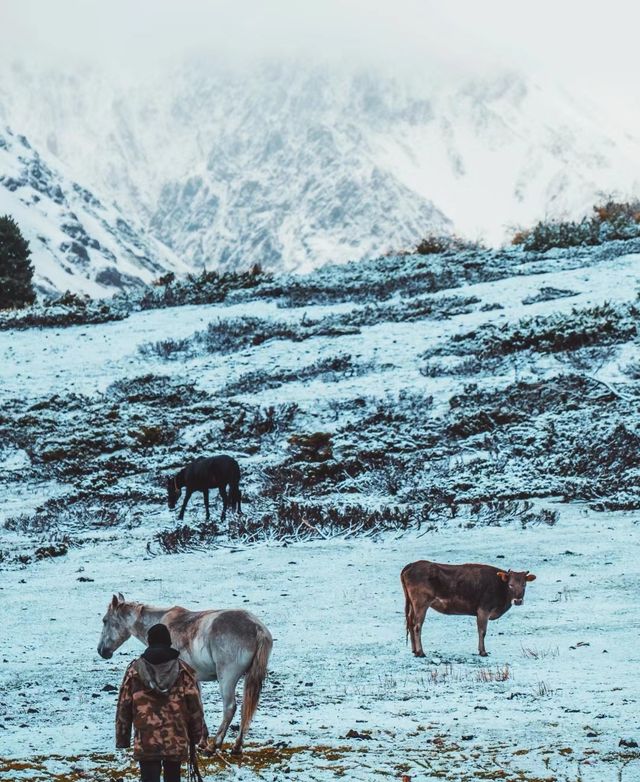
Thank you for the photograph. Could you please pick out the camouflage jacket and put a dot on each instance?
(164, 724)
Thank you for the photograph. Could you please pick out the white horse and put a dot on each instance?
(218, 644)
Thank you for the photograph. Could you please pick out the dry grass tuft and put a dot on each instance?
(540, 654)
(497, 674)
(542, 690)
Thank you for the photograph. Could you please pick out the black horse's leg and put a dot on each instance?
(225, 501)
(206, 501)
(187, 495)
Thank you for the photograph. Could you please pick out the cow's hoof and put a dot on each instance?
(237, 751)
(419, 654)
(483, 654)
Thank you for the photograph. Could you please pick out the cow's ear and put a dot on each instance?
(114, 602)
(530, 577)
(121, 598)
(501, 574)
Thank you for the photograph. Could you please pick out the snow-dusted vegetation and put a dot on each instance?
(461, 406)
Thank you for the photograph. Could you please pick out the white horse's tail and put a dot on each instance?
(253, 681)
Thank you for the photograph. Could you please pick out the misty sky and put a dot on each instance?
(590, 43)
(586, 46)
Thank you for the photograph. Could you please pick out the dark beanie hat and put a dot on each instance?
(158, 635)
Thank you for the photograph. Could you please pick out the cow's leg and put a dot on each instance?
(482, 619)
(410, 621)
(419, 614)
(187, 497)
(205, 493)
(225, 501)
(228, 680)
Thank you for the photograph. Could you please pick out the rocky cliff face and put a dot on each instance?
(294, 166)
(78, 242)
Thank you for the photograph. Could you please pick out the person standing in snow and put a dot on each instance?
(160, 699)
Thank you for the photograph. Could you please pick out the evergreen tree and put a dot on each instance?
(16, 271)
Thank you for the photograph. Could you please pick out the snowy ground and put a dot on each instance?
(552, 702)
(340, 661)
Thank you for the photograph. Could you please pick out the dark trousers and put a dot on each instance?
(150, 770)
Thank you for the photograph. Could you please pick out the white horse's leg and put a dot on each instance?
(228, 681)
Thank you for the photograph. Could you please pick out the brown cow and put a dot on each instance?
(482, 591)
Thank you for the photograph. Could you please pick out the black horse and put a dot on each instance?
(215, 472)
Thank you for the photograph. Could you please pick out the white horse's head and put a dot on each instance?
(116, 627)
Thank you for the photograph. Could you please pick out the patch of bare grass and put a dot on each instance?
(499, 673)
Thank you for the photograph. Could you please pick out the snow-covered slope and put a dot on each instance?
(293, 166)
(471, 454)
(78, 243)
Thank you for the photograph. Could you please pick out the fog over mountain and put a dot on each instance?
(236, 135)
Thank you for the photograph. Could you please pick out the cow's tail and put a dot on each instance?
(408, 607)
(253, 682)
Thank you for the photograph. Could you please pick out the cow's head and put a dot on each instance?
(516, 584)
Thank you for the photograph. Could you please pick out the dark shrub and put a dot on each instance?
(185, 537)
(434, 243)
(50, 551)
(208, 287)
(596, 452)
(156, 391)
(611, 220)
(557, 233)
(151, 436)
(16, 270)
(549, 294)
(311, 447)
(329, 369)
(166, 348)
(254, 422)
(604, 324)
(70, 309)
(232, 334)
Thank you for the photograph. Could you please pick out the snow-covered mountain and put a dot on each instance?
(292, 166)
(78, 243)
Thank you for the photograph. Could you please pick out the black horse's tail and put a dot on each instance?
(235, 496)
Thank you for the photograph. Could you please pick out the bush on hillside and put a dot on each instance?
(435, 243)
(208, 287)
(329, 369)
(604, 324)
(70, 309)
(611, 220)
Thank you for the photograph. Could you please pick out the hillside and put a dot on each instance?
(289, 165)
(471, 406)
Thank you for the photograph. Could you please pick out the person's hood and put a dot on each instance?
(159, 677)
(159, 653)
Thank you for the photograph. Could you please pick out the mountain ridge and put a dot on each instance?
(78, 242)
(293, 167)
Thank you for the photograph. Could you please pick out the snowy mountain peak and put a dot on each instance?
(293, 166)
(77, 241)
